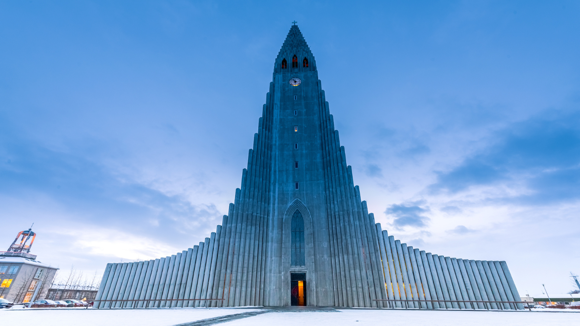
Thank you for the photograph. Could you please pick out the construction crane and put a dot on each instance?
(575, 277)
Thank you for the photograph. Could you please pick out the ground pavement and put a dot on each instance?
(285, 317)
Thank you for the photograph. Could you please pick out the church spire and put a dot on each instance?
(295, 45)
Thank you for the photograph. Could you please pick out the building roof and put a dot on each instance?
(21, 260)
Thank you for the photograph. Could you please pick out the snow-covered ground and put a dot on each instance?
(286, 317)
(406, 318)
(94, 317)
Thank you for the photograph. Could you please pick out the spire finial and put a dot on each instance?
(294, 22)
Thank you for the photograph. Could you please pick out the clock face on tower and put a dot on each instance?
(295, 81)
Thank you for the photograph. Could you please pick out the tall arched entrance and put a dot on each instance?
(297, 259)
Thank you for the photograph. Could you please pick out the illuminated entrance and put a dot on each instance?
(298, 289)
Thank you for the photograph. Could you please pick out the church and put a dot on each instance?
(298, 232)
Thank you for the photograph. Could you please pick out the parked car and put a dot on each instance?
(6, 304)
(61, 303)
(539, 307)
(73, 303)
(44, 304)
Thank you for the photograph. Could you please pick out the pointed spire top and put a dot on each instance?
(295, 40)
(295, 45)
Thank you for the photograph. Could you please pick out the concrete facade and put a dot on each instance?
(21, 277)
(298, 165)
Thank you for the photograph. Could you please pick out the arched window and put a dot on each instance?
(294, 62)
(297, 239)
(305, 63)
(284, 64)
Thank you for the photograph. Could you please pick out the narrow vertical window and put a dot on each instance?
(284, 64)
(39, 273)
(295, 112)
(297, 257)
(295, 146)
(295, 128)
(295, 164)
(295, 97)
(296, 185)
(294, 62)
(305, 63)
(27, 297)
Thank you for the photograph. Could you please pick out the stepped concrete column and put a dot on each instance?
(470, 265)
(160, 282)
(104, 282)
(425, 283)
(511, 283)
(143, 292)
(201, 271)
(206, 274)
(397, 263)
(465, 264)
(190, 277)
(179, 280)
(461, 283)
(172, 277)
(411, 286)
(385, 265)
(442, 281)
(450, 286)
(131, 284)
(151, 282)
(184, 277)
(486, 285)
(393, 271)
(469, 292)
(403, 268)
(141, 287)
(454, 282)
(166, 282)
(492, 285)
(504, 283)
(419, 287)
(498, 284)
(431, 273)
(212, 272)
(118, 283)
(220, 274)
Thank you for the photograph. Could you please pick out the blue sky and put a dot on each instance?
(124, 126)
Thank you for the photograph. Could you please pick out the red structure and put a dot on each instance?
(20, 247)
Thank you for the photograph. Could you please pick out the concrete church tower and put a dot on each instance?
(298, 232)
(310, 182)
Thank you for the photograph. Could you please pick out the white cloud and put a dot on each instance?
(115, 243)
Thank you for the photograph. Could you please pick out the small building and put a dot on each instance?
(63, 292)
(565, 299)
(22, 277)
